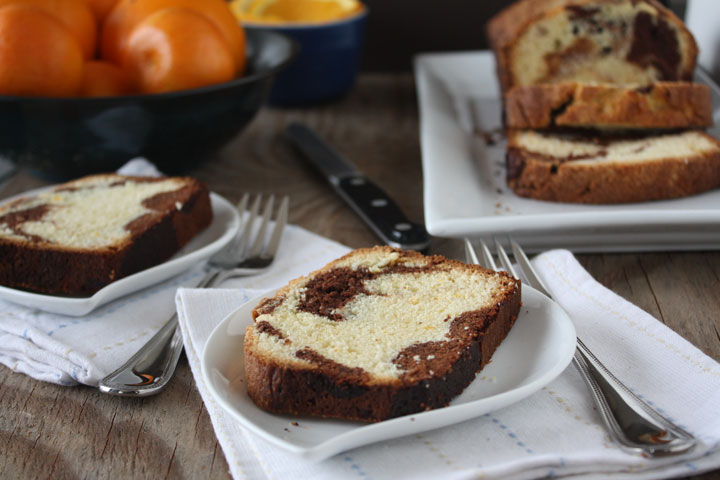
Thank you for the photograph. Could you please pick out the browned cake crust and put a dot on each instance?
(653, 45)
(568, 180)
(329, 389)
(40, 266)
(660, 105)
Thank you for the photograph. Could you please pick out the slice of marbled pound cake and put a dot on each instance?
(660, 105)
(83, 235)
(377, 334)
(607, 169)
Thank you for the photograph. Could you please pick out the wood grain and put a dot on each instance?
(48, 431)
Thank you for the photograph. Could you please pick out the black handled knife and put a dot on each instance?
(367, 199)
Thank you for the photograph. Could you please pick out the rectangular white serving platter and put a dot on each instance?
(465, 194)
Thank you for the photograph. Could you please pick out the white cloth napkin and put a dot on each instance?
(71, 350)
(555, 432)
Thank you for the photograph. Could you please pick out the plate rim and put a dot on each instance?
(617, 217)
(79, 306)
(343, 441)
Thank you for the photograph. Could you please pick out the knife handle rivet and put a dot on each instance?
(379, 202)
(403, 227)
(357, 181)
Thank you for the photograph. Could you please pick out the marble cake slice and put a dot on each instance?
(611, 169)
(661, 105)
(83, 235)
(377, 334)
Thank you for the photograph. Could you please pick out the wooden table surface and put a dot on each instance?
(63, 432)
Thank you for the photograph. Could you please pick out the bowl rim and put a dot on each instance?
(294, 50)
(282, 26)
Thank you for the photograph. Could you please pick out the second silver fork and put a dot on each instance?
(150, 369)
(631, 422)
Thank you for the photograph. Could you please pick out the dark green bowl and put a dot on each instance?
(64, 138)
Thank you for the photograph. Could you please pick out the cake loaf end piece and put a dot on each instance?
(629, 42)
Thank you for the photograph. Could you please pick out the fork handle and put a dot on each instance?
(631, 422)
(151, 368)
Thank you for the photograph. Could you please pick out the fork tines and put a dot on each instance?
(526, 272)
(260, 232)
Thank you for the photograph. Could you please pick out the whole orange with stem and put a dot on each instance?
(127, 14)
(177, 49)
(38, 55)
(74, 14)
(104, 79)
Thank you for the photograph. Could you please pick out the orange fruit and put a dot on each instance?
(74, 14)
(177, 49)
(101, 8)
(104, 79)
(127, 14)
(38, 55)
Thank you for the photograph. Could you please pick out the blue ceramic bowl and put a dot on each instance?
(327, 64)
(62, 138)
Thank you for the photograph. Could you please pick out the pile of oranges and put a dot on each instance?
(116, 47)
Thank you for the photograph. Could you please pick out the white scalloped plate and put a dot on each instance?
(538, 348)
(223, 228)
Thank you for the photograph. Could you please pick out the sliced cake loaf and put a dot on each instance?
(602, 169)
(661, 105)
(377, 334)
(83, 235)
(627, 42)
(616, 73)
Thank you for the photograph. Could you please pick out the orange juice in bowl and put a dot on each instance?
(330, 34)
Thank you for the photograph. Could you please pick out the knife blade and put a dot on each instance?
(373, 205)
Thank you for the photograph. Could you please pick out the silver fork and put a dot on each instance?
(631, 422)
(151, 368)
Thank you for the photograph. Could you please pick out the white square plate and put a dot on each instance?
(538, 348)
(464, 176)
